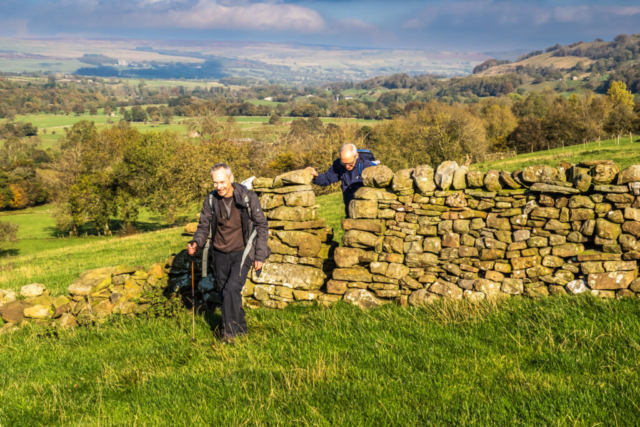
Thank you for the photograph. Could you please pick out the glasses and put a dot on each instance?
(352, 164)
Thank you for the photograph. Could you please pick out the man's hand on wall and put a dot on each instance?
(313, 171)
(192, 248)
(257, 265)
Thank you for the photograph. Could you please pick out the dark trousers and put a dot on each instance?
(230, 278)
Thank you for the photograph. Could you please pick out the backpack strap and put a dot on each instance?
(252, 234)
(205, 253)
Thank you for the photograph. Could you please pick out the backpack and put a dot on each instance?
(365, 155)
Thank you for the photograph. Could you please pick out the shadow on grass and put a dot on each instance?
(207, 302)
(8, 252)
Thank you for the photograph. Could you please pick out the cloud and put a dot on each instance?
(356, 24)
(262, 15)
(581, 13)
(208, 14)
(512, 13)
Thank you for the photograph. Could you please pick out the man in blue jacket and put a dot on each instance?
(348, 169)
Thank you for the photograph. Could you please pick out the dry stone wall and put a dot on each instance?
(422, 234)
(413, 237)
(301, 244)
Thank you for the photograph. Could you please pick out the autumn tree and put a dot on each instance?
(619, 94)
(499, 122)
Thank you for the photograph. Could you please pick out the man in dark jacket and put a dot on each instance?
(239, 234)
(348, 169)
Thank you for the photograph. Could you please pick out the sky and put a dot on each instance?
(462, 25)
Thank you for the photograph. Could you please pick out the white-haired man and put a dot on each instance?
(232, 216)
(348, 169)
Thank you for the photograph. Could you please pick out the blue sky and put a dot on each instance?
(462, 25)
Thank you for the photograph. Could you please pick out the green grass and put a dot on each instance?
(557, 361)
(57, 262)
(332, 210)
(624, 155)
(61, 120)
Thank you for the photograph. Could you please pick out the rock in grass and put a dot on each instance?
(13, 312)
(6, 296)
(32, 290)
(422, 297)
(362, 298)
(38, 312)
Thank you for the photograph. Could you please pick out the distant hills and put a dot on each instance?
(264, 62)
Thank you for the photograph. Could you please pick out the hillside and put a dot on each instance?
(616, 59)
(538, 61)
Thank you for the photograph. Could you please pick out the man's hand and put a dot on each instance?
(192, 248)
(257, 265)
(313, 171)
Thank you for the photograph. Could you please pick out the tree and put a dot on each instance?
(274, 119)
(562, 86)
(78, 109)
(499, 122)
(436, 133)
(619, 94)
(561, 125)
(107, 110)
(528, 136)
(19, 200)
(620, 120)
(93, 109)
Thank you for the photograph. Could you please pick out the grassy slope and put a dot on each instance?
(557, 361)
(560, 361)
(624, 155)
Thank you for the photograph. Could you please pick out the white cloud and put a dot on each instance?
(357, 24)
(210, 14)
(187, 14)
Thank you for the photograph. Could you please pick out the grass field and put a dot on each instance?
(555, 361)
(56, 123)
(625, 154)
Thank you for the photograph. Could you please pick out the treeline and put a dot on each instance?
(109, 173)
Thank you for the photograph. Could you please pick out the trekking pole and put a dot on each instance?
(193, 305)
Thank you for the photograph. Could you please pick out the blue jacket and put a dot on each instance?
(351, 180)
